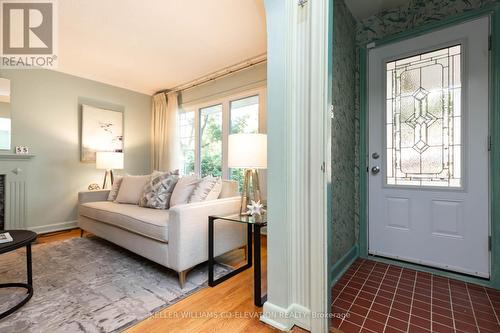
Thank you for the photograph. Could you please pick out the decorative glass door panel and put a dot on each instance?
(424, 119)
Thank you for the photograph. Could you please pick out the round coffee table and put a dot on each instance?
(21, 238)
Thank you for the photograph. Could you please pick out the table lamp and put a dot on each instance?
(248, 151)
(108, 161)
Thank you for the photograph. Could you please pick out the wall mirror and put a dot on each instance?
(5, 115)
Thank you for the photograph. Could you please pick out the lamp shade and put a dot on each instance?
(247, 151)
(108, 160)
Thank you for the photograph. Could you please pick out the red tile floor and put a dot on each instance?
(377, 297)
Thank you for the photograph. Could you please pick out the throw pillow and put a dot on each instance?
(131, 189)
(183, 190)
(208, 188)
(114, 189)
(158, 190)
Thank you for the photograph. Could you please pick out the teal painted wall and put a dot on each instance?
(343, 131)
(46, 118)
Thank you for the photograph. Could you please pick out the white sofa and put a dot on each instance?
(176, 238)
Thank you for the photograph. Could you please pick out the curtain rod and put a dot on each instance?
(218, 74)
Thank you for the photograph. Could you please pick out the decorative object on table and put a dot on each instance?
(256, 208)
(94, 187)
(102, 130)
(248, 151)
(22, 150)
(5, 238)
(108, 161)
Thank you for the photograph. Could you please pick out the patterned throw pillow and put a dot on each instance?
(208, 188)
(158, 190)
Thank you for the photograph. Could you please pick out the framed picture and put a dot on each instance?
(102, 130)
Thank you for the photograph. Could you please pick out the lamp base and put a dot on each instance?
(251, 190)
(108, 179)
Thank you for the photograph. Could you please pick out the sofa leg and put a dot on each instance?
(81, 233)
(182, 278)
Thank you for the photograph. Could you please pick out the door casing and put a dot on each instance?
(494, 116)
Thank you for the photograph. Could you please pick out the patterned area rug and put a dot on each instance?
(90, 285)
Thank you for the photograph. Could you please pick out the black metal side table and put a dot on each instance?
(21, 238)
(254, 225)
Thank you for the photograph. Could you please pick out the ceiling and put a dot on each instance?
(152, 45)
(364, 8)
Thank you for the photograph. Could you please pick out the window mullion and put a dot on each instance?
(225, 134)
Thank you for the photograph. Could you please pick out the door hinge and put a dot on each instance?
(323, 167)
(332, 115)
(489, 243)
(489, 143)
(489, 42)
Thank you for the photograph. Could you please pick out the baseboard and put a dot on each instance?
(54, 227)
(284, 319)
(343, 264)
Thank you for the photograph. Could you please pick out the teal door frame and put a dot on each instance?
(494, 112)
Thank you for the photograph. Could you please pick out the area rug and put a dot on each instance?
(90, 285)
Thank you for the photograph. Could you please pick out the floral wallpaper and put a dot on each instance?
(415, 13)
(343, 133)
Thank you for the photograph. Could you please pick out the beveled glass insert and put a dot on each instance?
(424, 119)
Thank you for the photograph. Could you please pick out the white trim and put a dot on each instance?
(319, 153)
(298, 92)
(54, 227)
(285, 319)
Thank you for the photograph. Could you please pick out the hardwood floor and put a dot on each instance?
(228, 307)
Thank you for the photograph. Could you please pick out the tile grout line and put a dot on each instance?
(432, 287)
(353, 274)
(359, 291)
(492, 307)
(378, 289)
(392, 302)
(451, 306)
(472, 307)
(411, 304)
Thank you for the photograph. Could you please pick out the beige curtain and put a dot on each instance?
(165, 150)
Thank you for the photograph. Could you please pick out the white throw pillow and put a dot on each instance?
(131, 189)
(208, 188)
(183, 190)
(114, 189)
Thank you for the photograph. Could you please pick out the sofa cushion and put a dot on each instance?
(208, 188)
(148, 222)
(158, 190)
(115, 188)
(183, 190)
(131, 189)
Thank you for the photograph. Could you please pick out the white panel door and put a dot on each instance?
(428, 149)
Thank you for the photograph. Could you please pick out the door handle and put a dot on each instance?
(375, 170)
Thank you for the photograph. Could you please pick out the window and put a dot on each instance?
(187, 141)
(211, 140)
(5, 133)
(424, 119)
(204, 131)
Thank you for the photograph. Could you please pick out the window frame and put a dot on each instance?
(225, 101)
